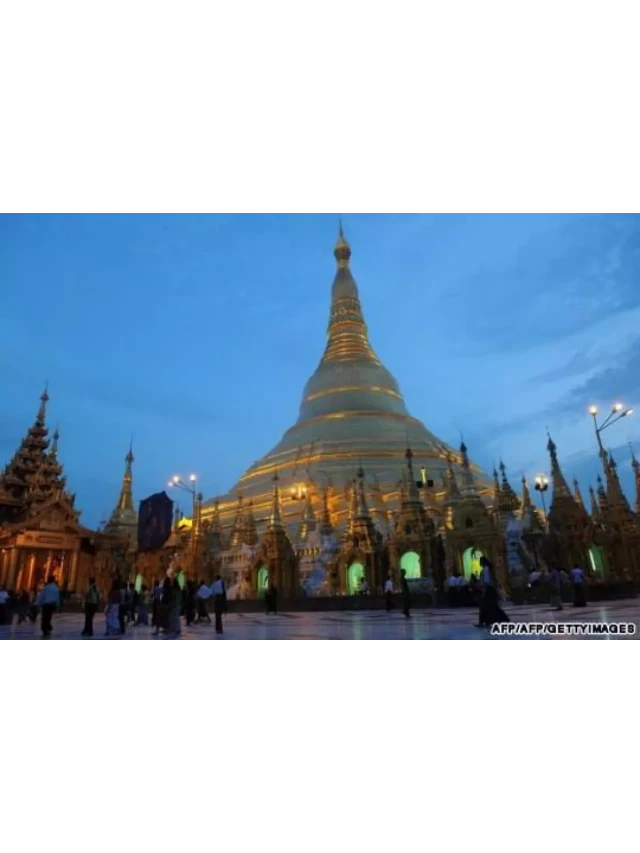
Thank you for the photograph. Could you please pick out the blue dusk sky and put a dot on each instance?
(196, 334)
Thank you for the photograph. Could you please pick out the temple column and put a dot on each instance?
(74, 570)
(31, 562)
(13, 566)
(4, 568)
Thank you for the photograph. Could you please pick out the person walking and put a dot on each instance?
(49, 599)
(91, 602)
(142, 617)
(217, 588)
(203, 595)
(555, 589)
(156, 604)
(271, 599)
(112, 610)
(175, 609)
(190, 602)
(490, 610)
(388, 594)
(577, 579)
(23, 607)
(406, 595)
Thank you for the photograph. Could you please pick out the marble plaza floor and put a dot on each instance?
(445, 624)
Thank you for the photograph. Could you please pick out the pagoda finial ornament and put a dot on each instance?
(468, 483)
(595, 507)
(275, 519)
(42, 411)
(342, 251)
(578, 494)
(124, 518)
(560, 487)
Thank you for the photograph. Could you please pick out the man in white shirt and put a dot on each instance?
(217, 590)
(203, 594)
(48, 600)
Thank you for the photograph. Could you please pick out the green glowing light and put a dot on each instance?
(410, 562)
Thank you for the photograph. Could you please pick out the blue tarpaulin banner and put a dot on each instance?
(155, 518)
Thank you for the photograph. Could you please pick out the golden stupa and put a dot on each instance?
(352, 416)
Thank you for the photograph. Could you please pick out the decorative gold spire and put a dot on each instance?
(275, 519)
(362, 510)
(615, 495)
(509, 501)
(42, 411)
(453, 493)
(468, 483)
(326, 527)
(578, 494)
(595, 507)
(413, 495)
(124, 518)
(560, 487)
(308, 523)
(239, 530)
(527, 503)
(342, 250)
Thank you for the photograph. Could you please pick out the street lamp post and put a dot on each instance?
(177, 482)
(618, 411)
(541, 485)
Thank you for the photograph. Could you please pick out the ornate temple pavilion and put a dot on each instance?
(352, 416)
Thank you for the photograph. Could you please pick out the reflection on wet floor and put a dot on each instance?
(445, 624)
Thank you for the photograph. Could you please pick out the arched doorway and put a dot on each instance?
(596, 559)
(354, 574)
(263, 581)
(410, 563)
(471, 562)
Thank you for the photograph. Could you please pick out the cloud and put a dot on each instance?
(619, 381)
(558, 283)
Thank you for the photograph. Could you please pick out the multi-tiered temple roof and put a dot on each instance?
(352, 415)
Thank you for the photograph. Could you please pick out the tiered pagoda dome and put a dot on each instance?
(352, 414)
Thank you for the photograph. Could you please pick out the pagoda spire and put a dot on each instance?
(239, 530)
(347, 332)
(251, 533)
(326, 525)
(413, 495)
(578, 494)
(560, 487)
(124, 518)
(42, 411)
(309, 522)
(362, 510)
(125, 501)
(509, 501)
(275, 519)
(468, 483)
(453, 492)
(615, 495)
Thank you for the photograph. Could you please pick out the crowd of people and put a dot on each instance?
(169, 601)
(125, 606)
